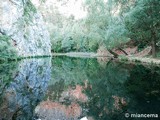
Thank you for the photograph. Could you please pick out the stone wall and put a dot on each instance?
(20, 21)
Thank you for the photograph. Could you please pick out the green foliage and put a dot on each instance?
(123, 58)
(7, 70)
(7, 51)
(4, 38)
(29, 10)
(110, 22)
(143, 21)
(105, 23)
(87, 34)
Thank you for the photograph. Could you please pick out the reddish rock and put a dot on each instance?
(57, 110)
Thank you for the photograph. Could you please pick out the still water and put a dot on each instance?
(64, 88)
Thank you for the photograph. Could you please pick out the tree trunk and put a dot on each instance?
(153, 48)
(123, 51)
(113, 53)
(153, 43)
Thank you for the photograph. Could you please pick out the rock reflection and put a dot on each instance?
(66, 107)
(48, 110)
(74, 94)
(27, 87)
(99, 94)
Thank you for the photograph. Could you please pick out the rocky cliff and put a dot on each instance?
(23, 25)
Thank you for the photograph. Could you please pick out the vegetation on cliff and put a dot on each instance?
(7, 51)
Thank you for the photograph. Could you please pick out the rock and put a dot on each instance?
(84, 118)
(25, 26)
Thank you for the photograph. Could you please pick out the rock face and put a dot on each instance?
(20, 21)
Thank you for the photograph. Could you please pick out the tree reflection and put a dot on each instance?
(144, 87)
(73, 88)
(112, 89)
(103, 86)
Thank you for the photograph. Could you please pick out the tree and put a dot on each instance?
(105, 24)
(143, 22)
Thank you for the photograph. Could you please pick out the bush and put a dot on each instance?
(7, 51)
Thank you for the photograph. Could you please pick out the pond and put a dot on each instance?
(65, 88)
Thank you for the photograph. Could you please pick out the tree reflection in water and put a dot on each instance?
(73, 88)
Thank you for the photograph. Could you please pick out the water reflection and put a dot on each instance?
(100, 91)
(75, 88)
(25, 89)
(144, 87)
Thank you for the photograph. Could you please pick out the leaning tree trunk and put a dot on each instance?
(153, 49)
(122, 51)
(113, 53)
